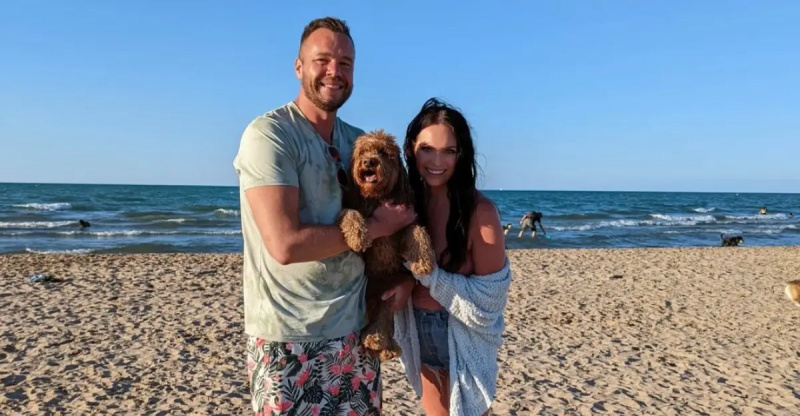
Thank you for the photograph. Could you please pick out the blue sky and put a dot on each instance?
(562, 95)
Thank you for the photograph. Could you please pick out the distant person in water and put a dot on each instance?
(763, 210)
(528, 221)
(84, 224)
(791, 215)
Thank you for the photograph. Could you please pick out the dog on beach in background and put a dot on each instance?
(84, 224)
(506, 228)
(731, 241)
(793, 291)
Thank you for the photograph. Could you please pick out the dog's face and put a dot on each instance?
(376, 165)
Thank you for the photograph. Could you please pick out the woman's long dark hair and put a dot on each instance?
(461, 186)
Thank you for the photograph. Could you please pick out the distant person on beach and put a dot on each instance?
(304, 290)
(455, 321)
(763, 211)
(528, 222)
(84, 224)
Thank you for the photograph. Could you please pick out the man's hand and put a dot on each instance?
(388, 219)
(399, 294)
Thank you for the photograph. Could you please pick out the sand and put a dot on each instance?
(628, 331)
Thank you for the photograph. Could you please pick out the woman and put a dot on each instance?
(458, 309)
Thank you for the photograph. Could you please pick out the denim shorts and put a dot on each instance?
(432, 333)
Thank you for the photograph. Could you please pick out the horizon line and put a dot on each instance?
(480, 189)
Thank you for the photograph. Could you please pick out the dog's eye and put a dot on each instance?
(382, 153)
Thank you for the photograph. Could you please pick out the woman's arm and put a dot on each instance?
(477, 300)
(488, 251)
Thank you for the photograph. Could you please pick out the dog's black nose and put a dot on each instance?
(370, 163)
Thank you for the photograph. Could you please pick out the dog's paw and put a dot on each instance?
(387, 355)
(419, 252)
(374, 341)
(354, 230)
(421, 268)
(391, 352)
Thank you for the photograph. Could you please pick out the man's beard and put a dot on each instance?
(311, 91)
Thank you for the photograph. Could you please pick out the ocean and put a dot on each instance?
(43, 218)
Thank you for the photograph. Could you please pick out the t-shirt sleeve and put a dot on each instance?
(267, 156)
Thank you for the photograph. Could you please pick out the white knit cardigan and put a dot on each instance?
(475, 327)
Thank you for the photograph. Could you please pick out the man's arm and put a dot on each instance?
(276, 210)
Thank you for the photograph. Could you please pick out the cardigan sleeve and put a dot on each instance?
(475, 300)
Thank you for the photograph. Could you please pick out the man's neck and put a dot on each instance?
(321, 120)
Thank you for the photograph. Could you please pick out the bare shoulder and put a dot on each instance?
(486, 237)
(486, 212)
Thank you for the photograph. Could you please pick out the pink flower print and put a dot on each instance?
(289, 346)
(352, 413)
(347, 369)
(351, 336)
(334, 390)
(281, 406)
(321, 358)
(303, 378)
(369, 375)
(373, 396)
(303, 358)
(266, 359)
(336, 369)
(260, 342)
(315, 410)
(267, 383)
(355, 382)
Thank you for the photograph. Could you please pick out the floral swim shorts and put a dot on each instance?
(326, 378)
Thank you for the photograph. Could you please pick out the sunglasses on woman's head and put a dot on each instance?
(341, 173)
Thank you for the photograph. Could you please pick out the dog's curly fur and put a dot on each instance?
(377, 176)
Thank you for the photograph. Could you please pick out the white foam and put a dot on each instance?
(224, 211)
(704, 210)
(661, 220)
(36, 224)
(684, 219)
(757, 217)
(130, 233)
(73, 251)
(54, 206)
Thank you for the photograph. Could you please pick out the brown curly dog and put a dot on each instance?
(377, 175)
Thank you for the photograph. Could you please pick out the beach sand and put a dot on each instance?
(626, 331)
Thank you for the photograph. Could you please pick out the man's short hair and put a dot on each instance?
(331, 23)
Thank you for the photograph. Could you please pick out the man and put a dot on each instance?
(528, 221)
(304, 290)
